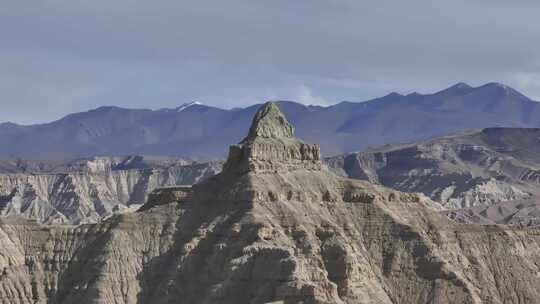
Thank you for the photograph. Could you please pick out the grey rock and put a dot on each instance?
(269, 122)
(483, 176)
(93, 190)
(270, 146)
(303, 235)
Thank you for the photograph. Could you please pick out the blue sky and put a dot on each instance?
(60, 56)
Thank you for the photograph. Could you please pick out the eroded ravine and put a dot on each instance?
(275, 225)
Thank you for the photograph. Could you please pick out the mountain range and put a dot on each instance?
(197, 130)
(487, 176)
(274, 226)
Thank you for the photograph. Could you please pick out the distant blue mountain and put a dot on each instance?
(203, 131)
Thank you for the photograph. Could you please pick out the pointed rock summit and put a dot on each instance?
(269, 122)
(271, 147)
(272, 228)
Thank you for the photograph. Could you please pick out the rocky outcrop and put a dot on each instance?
(269, 122)
(490, 173)
(91, 192)
(91, 164)
(167, 195)
(270, 146)
(259, 236)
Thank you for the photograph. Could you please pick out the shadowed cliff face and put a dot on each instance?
(85, 192)
(492, 174)
(269, 122)
(271, 147)
(280, 229)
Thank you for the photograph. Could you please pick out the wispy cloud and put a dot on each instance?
(528, 82)
(306, 96)
(75, 55)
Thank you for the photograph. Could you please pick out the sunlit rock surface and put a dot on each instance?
(302, 235)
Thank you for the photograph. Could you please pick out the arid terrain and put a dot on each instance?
(274, 225)
(269, 152)
(483, 176)
(91, 189)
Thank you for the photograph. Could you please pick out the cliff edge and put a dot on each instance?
(273, 226)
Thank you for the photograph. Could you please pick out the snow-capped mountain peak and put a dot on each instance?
(187, 105)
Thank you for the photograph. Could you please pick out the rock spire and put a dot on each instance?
(269, 122)
(271, 147)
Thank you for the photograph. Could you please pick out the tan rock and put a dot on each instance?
(301, 235)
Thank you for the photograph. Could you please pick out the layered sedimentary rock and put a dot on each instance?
(484, 176)
(271, 147)
(302, 235)
(90, 164)
(93, 191)
(167, 195)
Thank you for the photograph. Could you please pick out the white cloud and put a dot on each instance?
(147, 55)
(528, 82)
(305, 96)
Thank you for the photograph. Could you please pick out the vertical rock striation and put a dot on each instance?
(271, 147)
(273, 226)
(91, 195)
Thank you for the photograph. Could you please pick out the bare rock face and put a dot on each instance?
(255, 235)
(91, 192)
(483, 176)
(167, 195)
(269, 122)
(270, 146)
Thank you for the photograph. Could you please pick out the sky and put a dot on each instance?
(64, 56)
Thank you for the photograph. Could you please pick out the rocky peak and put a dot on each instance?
(269, 122)
(271, 147)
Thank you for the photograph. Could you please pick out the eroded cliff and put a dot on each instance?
(93, 193)
(275, 230)
(483, 176)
